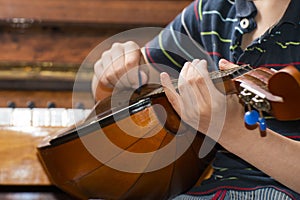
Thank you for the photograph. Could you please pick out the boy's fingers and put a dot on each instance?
(173, 97)
(225, 64)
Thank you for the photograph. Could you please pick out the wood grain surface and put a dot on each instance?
(158, 12)
(19, 162)
(58, 32)
(61, 99)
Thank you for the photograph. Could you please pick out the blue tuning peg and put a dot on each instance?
(251, 117)
(262, 124)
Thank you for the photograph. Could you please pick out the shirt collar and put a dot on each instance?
(245, 8)
(292, 13)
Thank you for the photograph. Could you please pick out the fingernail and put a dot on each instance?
(163, 77)
(223, 61)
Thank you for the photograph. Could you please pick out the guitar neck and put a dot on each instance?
(222, 80)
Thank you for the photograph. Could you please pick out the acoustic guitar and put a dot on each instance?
(142, 150)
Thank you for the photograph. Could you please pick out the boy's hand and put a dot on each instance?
(119, 67)
(225, 64)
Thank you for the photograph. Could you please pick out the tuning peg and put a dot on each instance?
(251, 117)
(262, 124)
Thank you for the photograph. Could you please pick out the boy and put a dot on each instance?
(259, 33)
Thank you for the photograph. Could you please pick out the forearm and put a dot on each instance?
(273, 154)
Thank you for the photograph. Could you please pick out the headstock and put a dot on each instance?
(268, 91)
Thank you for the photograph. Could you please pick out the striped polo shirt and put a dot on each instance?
(217, 26)
(211, 30)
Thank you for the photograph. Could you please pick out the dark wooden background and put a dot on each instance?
(39, 37)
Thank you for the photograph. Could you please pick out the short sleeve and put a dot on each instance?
(179, 42)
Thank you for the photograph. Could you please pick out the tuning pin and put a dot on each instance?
(251, 117)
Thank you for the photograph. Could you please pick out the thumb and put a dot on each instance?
(170, 91)
(143, 71)
(139, 75)
(225, 64)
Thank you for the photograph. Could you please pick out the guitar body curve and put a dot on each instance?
(76, 169)
(286, 84)
(80, 161)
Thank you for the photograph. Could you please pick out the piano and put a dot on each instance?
(43, 46)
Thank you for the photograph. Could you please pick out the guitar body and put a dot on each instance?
(119, 151)
(74, 161)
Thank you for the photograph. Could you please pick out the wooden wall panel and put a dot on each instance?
(94, 11)
(59, 32)
(65, 31)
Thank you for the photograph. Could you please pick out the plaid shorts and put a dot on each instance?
(267, 193)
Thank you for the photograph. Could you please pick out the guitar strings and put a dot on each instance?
(213, 75)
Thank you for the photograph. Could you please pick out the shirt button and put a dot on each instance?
(244, 23)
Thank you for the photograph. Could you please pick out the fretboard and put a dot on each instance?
(214, 76)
